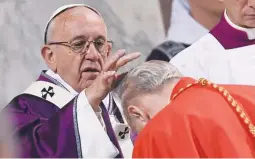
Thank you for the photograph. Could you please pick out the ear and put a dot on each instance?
(49, 57)
(136, 112)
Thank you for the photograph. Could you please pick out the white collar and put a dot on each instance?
(183, 27)
(60, 80)
(249, 31)
(69, 88)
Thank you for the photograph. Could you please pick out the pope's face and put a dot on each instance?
(241, 12)
(77, 26)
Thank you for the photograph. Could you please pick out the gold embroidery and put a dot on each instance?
(229, 98)
(225, 93)
(234, 104)
(189, 85)
(215, 86)
(242, 115)
(246, 120)
(181, 90)
(252, 130)
(238, 109)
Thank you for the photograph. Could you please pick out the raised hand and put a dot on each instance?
(102, 85)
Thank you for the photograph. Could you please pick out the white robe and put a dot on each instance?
(179, 20)
(219, 61)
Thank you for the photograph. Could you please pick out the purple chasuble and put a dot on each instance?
(109, 129)
(230, 37)
(44, 130)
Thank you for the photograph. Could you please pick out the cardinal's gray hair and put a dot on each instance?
(146, 78)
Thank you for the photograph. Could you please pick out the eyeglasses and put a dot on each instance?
(82, 45)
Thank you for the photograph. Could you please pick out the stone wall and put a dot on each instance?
(134, 25)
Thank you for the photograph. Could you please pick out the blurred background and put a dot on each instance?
(159, 29)
(134, 25)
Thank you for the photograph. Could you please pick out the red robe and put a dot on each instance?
(202, 120)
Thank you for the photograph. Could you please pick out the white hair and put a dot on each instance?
(146, 78)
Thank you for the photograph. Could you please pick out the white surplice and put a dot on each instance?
(209, 58)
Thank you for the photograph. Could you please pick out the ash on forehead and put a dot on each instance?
(61, 10)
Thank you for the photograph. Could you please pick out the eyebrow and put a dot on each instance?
(79, 37)
(82, 37)
(101, 37)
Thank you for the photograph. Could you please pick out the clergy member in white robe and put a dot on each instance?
(188, 24)
(225, 55)
(70, 111)
(184, 28)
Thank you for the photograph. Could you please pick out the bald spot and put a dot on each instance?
(75, 22)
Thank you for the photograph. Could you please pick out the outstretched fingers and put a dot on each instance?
(111, 61)
(126, 59)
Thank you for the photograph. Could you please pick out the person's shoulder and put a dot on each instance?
(207, 103)
(197, 50)
(247, 89)
(241, 92)
(166, 50)
(198, 101)
(23, 101)
(19, 100)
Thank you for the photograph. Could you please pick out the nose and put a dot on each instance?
(251, 3)
(92, 53)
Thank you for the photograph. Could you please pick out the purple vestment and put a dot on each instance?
(45, 130)
(230, 37)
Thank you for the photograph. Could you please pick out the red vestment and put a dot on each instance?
(202, 120)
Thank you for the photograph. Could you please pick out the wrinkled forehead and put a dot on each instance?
(76, 20)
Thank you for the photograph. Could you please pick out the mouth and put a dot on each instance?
(250, 15)
(91, 69)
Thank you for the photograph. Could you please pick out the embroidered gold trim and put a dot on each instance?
(237, 108)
